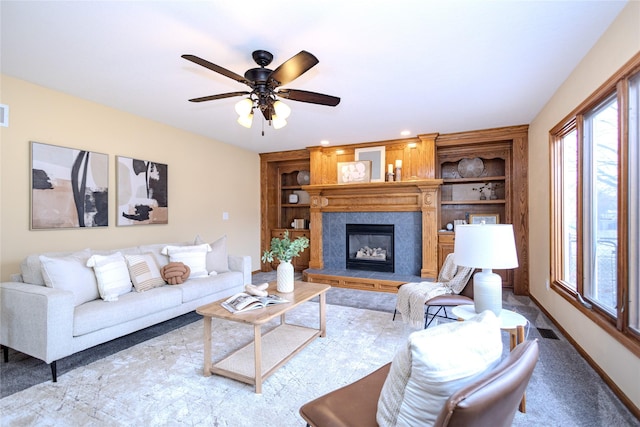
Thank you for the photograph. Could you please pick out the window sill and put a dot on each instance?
(632, 343)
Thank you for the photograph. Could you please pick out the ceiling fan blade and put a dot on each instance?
(220, 96)
(293, 68)
(306, 96)
(216, 68)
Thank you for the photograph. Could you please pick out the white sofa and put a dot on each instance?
(51, 317)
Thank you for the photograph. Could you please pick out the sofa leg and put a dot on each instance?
(5, 353)
(54, 371)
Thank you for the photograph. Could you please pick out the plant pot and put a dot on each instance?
(284, 277)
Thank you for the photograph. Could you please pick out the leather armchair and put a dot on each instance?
(490, 401)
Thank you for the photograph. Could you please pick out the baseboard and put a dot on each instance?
(608, 381)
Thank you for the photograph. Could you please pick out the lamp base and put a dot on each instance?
(487, 291)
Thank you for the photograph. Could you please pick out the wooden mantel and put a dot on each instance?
(404, 196)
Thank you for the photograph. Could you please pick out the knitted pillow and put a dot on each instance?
(193, 256)
(175, 273)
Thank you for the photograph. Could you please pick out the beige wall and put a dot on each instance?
(200, 173)
(615, 48)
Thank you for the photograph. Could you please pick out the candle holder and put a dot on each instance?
(398, 175)
(389, 176)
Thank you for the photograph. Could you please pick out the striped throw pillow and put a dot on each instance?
(144, 272)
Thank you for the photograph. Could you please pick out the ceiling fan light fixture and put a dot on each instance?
(282, 110)
(278, 122)
(263, 83)
(246, 120)
(244, 107)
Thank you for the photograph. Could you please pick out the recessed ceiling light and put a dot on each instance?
(405, 133)
(324, 142)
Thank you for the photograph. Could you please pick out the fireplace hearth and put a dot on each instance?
(370, 247)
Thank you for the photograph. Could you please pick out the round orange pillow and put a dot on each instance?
(175, 273)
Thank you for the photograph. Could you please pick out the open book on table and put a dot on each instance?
(244, 302)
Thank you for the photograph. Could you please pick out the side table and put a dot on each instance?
(510, 321)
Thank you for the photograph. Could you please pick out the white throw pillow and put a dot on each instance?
(218, 258)
(31, 267)
(144, 272)
(70, 274)
(193, 256)
(442, 360)
(112, 274)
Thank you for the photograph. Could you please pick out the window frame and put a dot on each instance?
(616, 325)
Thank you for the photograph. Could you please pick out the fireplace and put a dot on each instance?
(370, 247)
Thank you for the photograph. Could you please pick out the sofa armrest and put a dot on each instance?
(241, 263)
(36, 320)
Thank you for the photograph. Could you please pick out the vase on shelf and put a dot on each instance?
(482, 195)
(493, 195)
(284, 277)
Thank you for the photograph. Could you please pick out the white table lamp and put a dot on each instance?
(486, 246)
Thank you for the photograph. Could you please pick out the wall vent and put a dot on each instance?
(547, 333)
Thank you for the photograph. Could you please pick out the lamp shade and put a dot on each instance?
(278, 122)
(244, 107)
(486, 246)
(282, 110)
(246, 120)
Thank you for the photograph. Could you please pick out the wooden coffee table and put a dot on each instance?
(253, 363)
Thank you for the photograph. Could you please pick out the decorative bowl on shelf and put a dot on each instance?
(304, 178)
(471, 168)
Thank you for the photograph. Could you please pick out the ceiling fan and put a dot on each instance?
(264, 84)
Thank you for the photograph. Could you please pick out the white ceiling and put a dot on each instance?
(424, 66)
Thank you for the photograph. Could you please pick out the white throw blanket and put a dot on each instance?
(412, 296)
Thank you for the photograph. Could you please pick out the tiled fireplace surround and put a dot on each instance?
(407, 244)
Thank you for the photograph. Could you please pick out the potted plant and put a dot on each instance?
(284, 250)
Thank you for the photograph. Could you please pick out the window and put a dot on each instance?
(595, 206)
(634, 203)
(600, 207)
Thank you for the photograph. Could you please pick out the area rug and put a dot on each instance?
(159, 382)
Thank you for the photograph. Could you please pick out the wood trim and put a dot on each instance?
(482, 136)
(270, 184)
(362, 283)
(404, 196)
(511, 144)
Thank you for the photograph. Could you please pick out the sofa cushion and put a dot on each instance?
(197, 288)
(435, 363)
(218, 258)
(95, 315)
(144, 272)
(195, 256)
(70, 274)
(31, 267)
(112, 275)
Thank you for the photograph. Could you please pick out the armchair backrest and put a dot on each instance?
(493, 399)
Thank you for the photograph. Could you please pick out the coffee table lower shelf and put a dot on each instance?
(280, 345)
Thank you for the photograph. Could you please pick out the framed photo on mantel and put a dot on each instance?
(377, 157)
(352, 172)
(488, 218)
